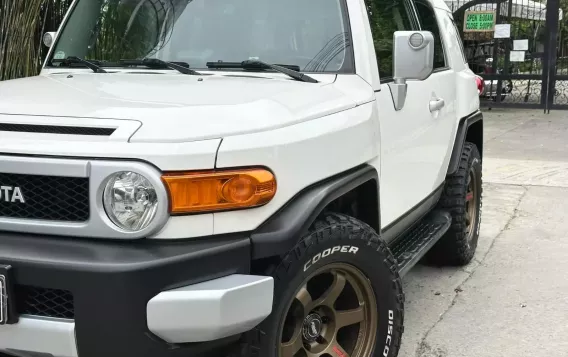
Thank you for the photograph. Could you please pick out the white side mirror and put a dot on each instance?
(48, 38)
(413, 59)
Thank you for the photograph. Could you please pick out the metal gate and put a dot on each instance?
(524, 59)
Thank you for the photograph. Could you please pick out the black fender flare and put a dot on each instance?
(464, 124)
(284, 228)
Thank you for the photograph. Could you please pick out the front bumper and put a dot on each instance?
(139, 299)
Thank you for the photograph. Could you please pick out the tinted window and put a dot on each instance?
(429, 22)
(385, 18)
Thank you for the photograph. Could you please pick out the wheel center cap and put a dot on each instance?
(313, 325)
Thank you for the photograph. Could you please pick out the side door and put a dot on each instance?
(442, 84)
(413, 140)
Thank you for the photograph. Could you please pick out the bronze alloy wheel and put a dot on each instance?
(334, 313)
(471, 206)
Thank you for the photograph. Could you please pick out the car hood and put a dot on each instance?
(173, 107)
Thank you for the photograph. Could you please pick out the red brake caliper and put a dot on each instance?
(338, 351)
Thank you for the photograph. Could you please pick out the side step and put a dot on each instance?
(414, 244)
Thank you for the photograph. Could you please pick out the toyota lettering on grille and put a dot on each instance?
(11, 194)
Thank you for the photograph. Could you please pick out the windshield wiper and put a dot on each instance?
(290, 70)
(73, 59)
(158, 63)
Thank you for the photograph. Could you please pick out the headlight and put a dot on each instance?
(130, 201)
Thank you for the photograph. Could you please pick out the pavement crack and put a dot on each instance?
(508, 131)
(423, 347)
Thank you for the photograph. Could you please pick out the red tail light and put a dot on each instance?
(480, 85)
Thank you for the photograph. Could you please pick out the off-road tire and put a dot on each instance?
(456, 248)
(373, 259)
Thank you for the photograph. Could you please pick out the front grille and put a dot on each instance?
(31, 300)
(56, 129)
(51, 198)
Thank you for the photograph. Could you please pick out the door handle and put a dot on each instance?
(436, 104)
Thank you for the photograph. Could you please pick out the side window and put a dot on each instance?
(386, 17)
(429, 22)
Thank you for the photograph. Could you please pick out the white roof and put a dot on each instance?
(440, 4)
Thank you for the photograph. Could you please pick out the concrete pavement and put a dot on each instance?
(512, 300)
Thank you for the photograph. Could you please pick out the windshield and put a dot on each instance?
(309, 34)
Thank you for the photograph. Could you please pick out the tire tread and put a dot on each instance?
(335, 226)
(452, 249)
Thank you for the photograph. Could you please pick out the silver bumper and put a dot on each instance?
(34, 336)
(211, 310)
(202, 312)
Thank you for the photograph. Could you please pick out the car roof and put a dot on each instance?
(440, 4)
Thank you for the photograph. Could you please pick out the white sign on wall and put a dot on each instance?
(502, 31)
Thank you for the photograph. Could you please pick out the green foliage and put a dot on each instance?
(117, 34)
(22, 23)
(382, 22)
(18, 48)
(122, 32)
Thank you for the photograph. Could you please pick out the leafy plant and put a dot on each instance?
(22, 24)
(118, 34)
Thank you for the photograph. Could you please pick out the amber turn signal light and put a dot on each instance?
(207, 191)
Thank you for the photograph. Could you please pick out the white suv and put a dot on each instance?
(201, 178)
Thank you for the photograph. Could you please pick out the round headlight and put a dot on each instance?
(130, 201)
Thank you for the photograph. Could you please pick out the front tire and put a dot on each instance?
(337, 293)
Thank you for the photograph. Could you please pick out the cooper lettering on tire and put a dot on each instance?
(329, 251)
(337, 293)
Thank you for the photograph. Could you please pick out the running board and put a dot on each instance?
(414, 244)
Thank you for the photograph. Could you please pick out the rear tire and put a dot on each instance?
(341, 265)
(462, 198)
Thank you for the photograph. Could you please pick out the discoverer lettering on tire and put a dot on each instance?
(388, 342)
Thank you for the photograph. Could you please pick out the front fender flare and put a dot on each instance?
(283, 230)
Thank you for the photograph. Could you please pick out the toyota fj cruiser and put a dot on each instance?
(213, 177)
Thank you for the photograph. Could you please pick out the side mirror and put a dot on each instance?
(48, 38)
(413, 59)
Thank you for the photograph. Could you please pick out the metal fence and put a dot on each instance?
(524, 63)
